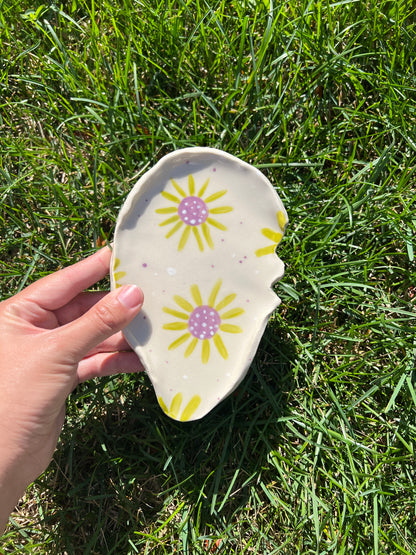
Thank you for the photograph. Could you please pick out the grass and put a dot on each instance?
(314, 453)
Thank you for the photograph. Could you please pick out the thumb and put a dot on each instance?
(106, 317)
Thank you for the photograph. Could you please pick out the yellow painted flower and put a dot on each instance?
(203, 322)
(175, 407)
(117, 274)
(275, 236)
(192, 213)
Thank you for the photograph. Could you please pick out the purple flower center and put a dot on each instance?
(204, 322)
(193, 211)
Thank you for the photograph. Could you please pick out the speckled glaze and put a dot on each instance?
(198, 233)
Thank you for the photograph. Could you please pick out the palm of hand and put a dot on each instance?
(53, 336)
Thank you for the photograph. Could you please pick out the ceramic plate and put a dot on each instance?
(198, 233)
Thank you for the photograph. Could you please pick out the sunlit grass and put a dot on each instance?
(314, 453)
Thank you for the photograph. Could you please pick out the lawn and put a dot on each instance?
(314, 453)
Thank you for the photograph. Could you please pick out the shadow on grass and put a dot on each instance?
(126, 474)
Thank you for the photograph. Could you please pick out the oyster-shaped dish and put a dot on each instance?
(198, 233)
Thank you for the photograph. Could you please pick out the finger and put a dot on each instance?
(58, 289)
(107, 364)
(78, 306)
(116, 342)
(110, 315)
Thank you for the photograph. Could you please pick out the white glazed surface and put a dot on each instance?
(214, 252)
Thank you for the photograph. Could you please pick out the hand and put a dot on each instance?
(52, 337)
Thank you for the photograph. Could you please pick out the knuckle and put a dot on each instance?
(106, 318)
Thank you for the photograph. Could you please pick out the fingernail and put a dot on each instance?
(130, 296)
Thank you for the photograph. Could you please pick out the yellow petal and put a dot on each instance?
(214, 293)
(274, 236)
(196, 295)
(266, 250)
(217, 224)
(215, 196)
(221, 210)
(232, 313)
(175, 405)
(281, 220)
(198, 238)
(171, 197)
(207, 235)
(171, 220)
(167, 210)
(191, 184)
(220, 346)
(179, 341)
(174, 229)
(230, 328)
(175, 313)
(176, 326)
(119, 275)
(162, 404)
(184, 237)
(191, 347)
(183, 303)
(178, 188)
(190, 408)
(205, 351)
(203, 188)
(226, 301)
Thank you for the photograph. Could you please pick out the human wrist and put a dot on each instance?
(14, 477)
(12, 486)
